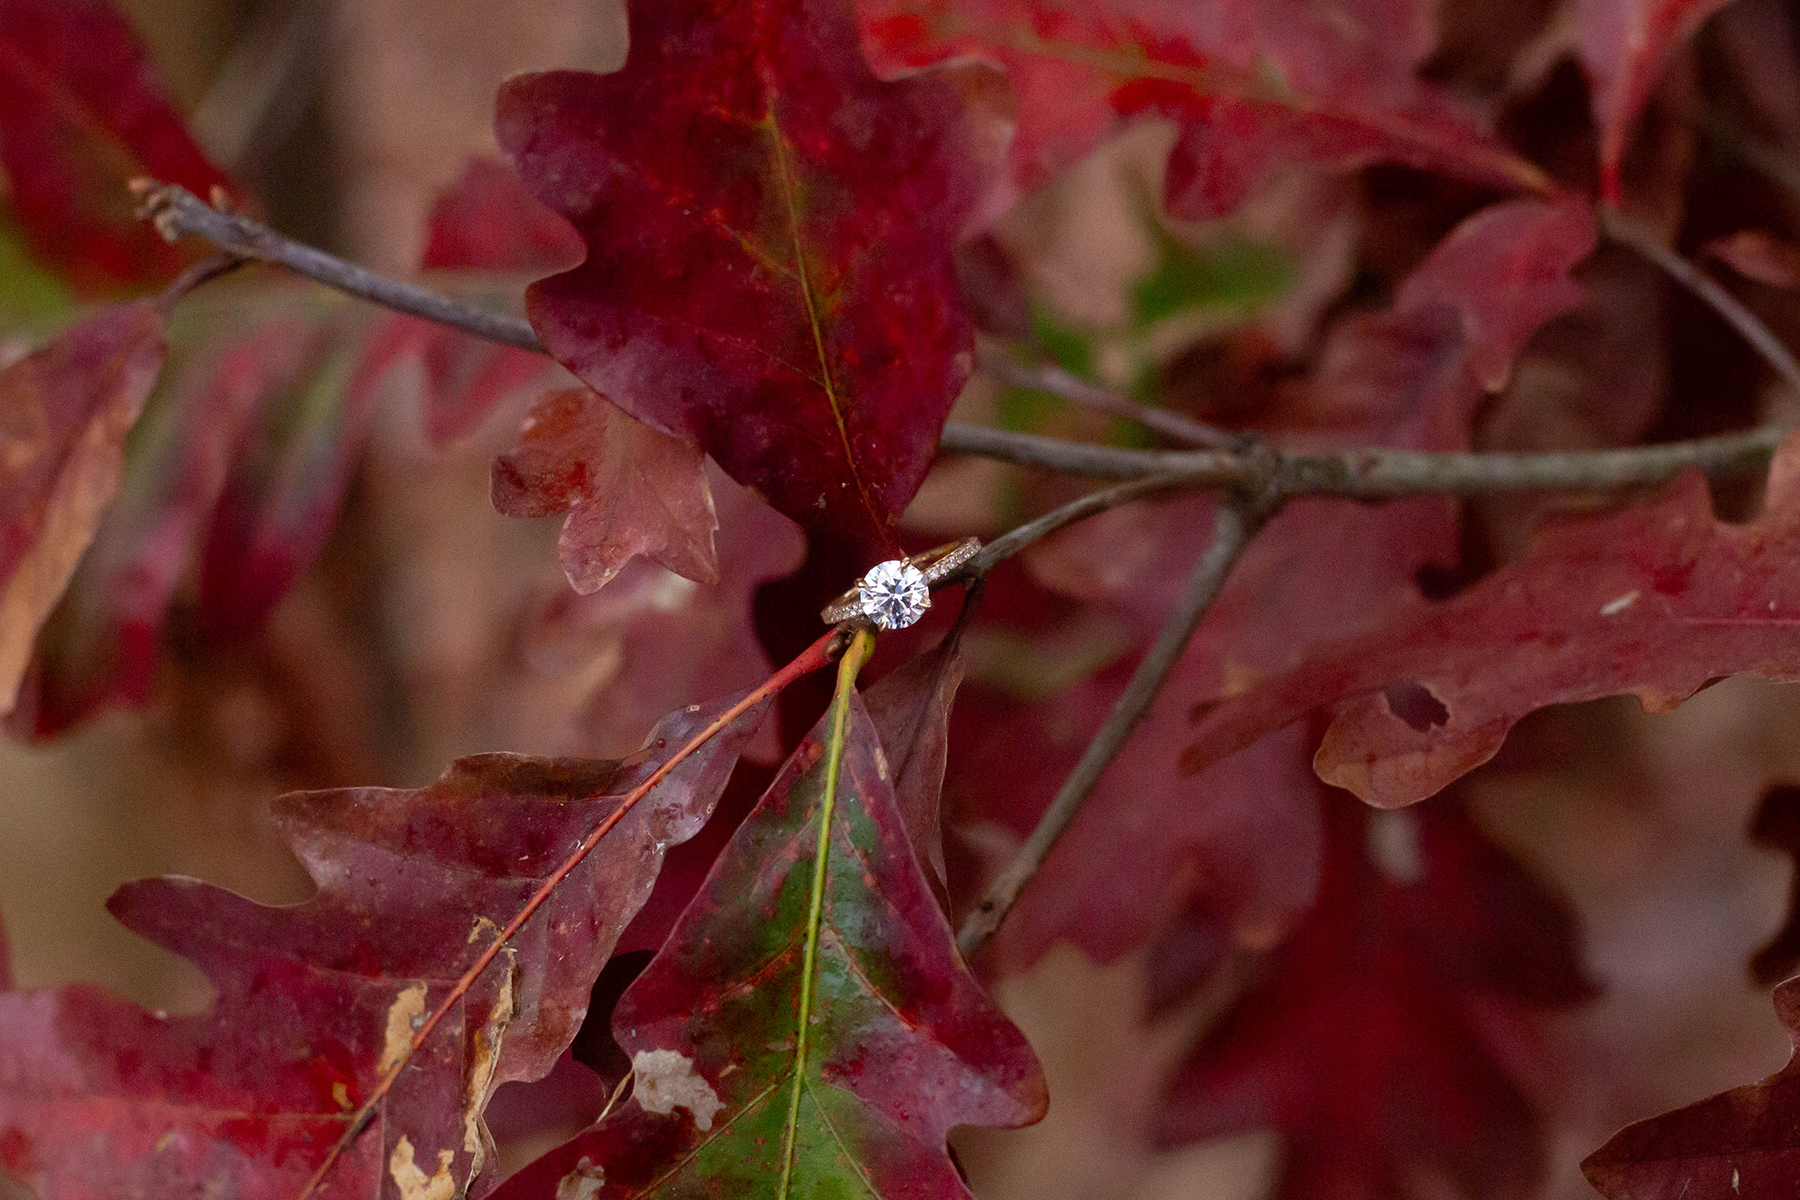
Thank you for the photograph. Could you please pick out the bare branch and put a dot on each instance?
(1057, 382)
(1364, 474)
(175, 211)
(1232, 530)
(1622, 229)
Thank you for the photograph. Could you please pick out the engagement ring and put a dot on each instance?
(894, 594)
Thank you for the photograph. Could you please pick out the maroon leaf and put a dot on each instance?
(101, 645)
(911, 711)
(769, 232)
(628, 489)
(1654, 601)
(64, 414)
(1624, 44)
(1254, 87)
(99, 1098)
(81, 113)
(903, 1042)
(1743, 1144)
(1370, 1042)
(1411, 376)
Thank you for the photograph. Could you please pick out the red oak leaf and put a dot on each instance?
(1654, 601)
(1377, 1042)
(1624, 44)
(1738, 1145)
(1412, 376)
(101, 645)
(100, 1098)
(1255, 86)
(64, 414)
(769, 234)
(628, 489)
(901, 1042)
(81, 113)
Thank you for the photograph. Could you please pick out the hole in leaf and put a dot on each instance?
(1415, 705)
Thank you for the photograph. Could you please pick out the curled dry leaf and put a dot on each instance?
(1654, 600)
(769, 234)
(628, 489)
(81, 113)
(903, 1041)
(1624, 45)
(910, 707)
(64, 414)
(1253, 87)
(1743, 1144)
(99, 1098)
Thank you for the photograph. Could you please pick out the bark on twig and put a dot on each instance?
(1232, 531)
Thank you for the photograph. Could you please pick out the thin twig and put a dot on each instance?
(1232, 530)
(176, 211)
(1059, 383)
(814, 657)
(1627, 232)
(1364, 474)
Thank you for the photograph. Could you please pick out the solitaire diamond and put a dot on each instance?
(894, 594)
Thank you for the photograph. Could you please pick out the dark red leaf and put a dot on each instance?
(1370, 1043)
(1412, 376)
(99, 1098)
(904, 1043)
(101, 645)
(628, 489)
(911, 711)
(64, 414)
(1254, 87)
(769, 233)
(81, 113)
(1624, 44)
(1739, 1145)
(1654, 601)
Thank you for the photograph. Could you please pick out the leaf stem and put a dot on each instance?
(862, 644)
(1233, 528)
(811, 659)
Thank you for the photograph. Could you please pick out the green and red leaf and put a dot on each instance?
(317, 1001)
(900, 1042)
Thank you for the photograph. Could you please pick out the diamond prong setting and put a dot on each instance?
(894, 594)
